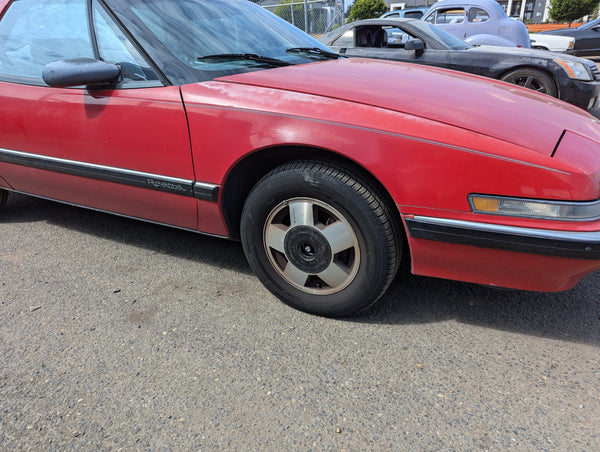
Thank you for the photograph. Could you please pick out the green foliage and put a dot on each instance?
(367, 9)
(570, 10)
(284, 8)
(294, 14)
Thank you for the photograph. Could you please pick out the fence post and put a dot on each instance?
(292, 10)
(305, 16)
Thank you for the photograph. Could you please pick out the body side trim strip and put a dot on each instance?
(571, 244)
(185, 187)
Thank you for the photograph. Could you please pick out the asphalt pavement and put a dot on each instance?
(122, 335)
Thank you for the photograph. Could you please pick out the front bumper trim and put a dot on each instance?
(570, 244)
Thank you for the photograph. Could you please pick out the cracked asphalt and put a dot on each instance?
(121, 335)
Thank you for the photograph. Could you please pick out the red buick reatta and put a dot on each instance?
(218, 117)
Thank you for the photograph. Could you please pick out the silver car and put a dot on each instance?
(478, 22)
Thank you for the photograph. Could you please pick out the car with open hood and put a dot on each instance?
(220, 118)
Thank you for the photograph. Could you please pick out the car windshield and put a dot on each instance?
(201, 34)
(446, 39)
(590, 24)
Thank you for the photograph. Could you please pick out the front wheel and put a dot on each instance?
(533, 79)
(321, 238)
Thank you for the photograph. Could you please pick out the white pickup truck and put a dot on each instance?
(554, 43)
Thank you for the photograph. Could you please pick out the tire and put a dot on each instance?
(533, 79)
(3, 197)
(321, 238)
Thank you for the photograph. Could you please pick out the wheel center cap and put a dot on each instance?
(307, 249)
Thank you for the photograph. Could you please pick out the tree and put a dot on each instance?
(367, 9)
(570, 10)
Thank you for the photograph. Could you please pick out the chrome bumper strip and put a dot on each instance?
(572, 244)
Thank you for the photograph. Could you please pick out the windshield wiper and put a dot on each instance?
(247, 57)
(311, 52)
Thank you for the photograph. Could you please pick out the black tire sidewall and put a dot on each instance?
(330, 188)
(541, 76)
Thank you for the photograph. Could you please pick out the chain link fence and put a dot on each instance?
(315, 17)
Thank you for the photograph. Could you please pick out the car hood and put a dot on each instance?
(478, 104)
(561, 32)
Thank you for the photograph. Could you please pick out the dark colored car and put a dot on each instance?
(572, 79)
(587, 38)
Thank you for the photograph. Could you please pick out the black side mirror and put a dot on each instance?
(414, 44)
(80, 71)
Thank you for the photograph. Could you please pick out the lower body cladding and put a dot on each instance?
(504, 256)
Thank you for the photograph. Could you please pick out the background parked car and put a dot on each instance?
(575, 80)
(409, 13)
(478, 22)
(587, 38)
(553, 43)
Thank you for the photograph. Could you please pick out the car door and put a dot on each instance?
(122, 148)
(479, 22)
(588, 42)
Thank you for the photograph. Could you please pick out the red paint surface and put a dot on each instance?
(431, 137)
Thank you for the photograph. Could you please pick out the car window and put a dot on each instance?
(346, 40)
(447, 40)
(478, 15)
(36, 32)
(396, 37)
(114, 47)
(33, 33)
(447, 16)
(371, 36)
(413, 14)
(220, 28)
(385, 36)
(194, 41)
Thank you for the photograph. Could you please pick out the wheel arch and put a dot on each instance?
(249, 170)
(534, 68)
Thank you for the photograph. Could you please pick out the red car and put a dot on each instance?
(218, 117)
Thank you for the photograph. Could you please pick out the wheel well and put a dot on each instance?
(247, 172)
(534, 68)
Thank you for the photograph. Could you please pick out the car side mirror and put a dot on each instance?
(80, 71)
(415, 44)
